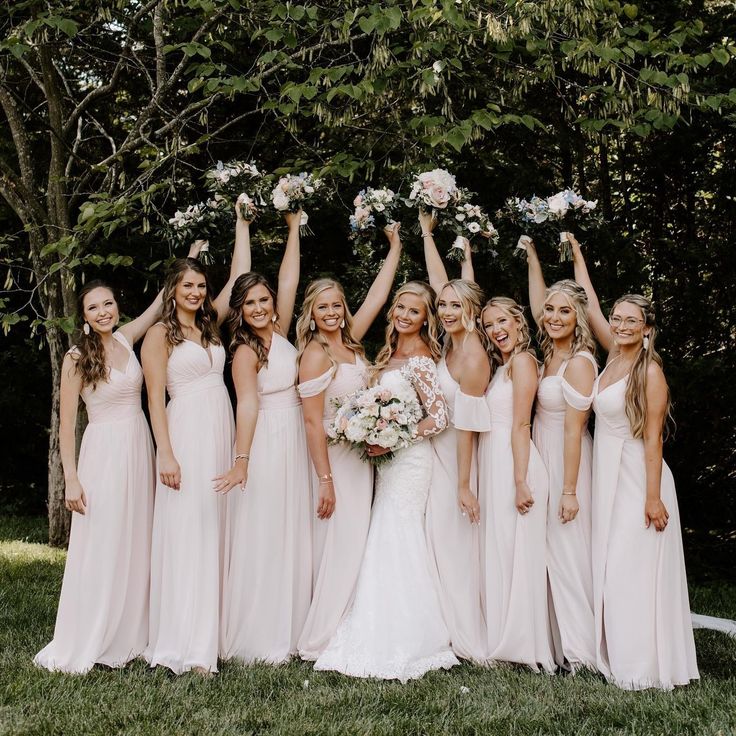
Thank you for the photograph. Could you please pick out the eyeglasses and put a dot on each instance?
(630, 322)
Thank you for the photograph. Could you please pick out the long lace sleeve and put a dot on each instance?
(422, 373)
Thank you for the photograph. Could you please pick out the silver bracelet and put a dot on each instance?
(427, 235)
(242, 456)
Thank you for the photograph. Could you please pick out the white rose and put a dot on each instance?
(474, 227)
(280, 200)
(557, 204)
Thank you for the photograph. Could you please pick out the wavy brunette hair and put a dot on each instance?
(206, 316)
(428, 331)
(636, 386)
(305, 335)
(583, 336)
(241, 332)
(88, 352)
(523, 340)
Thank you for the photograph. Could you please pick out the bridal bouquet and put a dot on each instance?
(469, 220)
(238, 178)
(376, 416)
(433, 192)
(564, 209)
(374, 210)
(293, 191)
(210, 220)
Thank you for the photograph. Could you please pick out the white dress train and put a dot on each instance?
(395, 628)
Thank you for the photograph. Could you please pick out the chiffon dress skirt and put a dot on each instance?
(513, 549)
(337, 542)
(103, 609)
(644, 634)
(454, 543)
(394, 628)
(268, 556)
(187, 526)
(569, 568)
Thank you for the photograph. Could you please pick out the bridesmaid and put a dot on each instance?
(513, 495)
(560, 433)
(268, 563)
(644, 635)
(453, 512)
(103, 609)
(331, 365)
(183, 355)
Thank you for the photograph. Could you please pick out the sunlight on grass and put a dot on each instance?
(293, 699)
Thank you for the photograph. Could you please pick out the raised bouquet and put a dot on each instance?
(241, 181)
(210, 221)
(374, 210)
(292, 192)
(468, 221)
(566, 209)
(433, 192)
(376, 416)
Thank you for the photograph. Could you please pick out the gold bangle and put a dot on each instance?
(569, 493)
(427, 235)
(242, 456)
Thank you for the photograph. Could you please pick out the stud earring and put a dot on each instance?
(646, 342)
(425, 322)
(342, 324)
(85, 328)
(312, 325)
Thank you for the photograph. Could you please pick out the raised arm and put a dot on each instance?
(381, 286)
(436, 272)
(655, 512)
(155, 358)
(239, 264)
(314, 364)
(598, 322)
(537, 287)
(137, 328)
(524, 390)
(289, 273)
(71, 386)
(245, 378)
(467, 271)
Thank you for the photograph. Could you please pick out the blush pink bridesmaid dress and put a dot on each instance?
(187, 537)
(103, 609)
(454, 543)
(337, 542)
(513, 546)
(643, 628)
(267, 575)
(568, 545)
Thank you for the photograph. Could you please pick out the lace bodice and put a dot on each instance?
(421, 374)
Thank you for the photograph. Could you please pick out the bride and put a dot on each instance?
(395, 629)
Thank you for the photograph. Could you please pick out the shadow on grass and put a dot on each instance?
(34, 529)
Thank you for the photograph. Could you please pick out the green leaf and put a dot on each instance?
(274, 34)
(703, 60)
(456, 138)
(631, 11)
(721, 55)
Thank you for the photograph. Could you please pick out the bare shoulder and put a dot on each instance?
(244, 357)
(525, 364)
(579, 368)
(655, 376)
(475, 357)
(155, 334)
(314, 362)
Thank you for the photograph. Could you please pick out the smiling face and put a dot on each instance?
(100, 310)
(258, 308)
(450, 310)
(328, 310)
(501, 328)
(627, 325)
(191, 291)
(409, 314)
(559, 317)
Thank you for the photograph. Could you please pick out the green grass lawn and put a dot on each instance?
(295, 700)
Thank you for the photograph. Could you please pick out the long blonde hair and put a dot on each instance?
(304, 333)
(428, 331)
(583, 336)
(470, 296)
(636, 386)
(523, 339)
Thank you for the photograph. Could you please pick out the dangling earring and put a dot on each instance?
(274, 318)
(240, 322)
(470, 328)
(577, 330)
(312, 326)
(85, 328)
(173, 303)
(646, 342)
(342, 324)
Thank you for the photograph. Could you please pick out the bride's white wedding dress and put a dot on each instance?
(395, 628)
